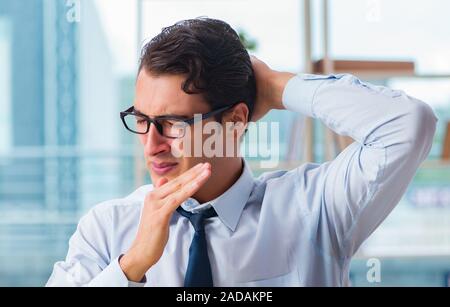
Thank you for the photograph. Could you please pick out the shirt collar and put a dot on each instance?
(229, 205)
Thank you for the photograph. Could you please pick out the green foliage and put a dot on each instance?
(249, 43)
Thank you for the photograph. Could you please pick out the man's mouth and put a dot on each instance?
(163, 168)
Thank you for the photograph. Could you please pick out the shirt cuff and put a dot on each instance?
(298, 94)
(113, 276)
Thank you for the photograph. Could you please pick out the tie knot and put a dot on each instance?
(197, 219)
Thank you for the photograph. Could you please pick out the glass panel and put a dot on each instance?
(5, 85)
(63, 148)
(403, 29)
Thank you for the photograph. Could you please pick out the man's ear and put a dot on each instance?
(237, 114)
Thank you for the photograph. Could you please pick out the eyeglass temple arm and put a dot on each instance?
(209, 114)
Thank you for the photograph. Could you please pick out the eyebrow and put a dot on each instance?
(162, 116)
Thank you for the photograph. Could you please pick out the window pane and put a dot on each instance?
(60, 97)
(401, 29)
(5, 85)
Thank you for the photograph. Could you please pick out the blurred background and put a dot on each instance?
(67, 68)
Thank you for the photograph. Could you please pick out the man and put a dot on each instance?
(206, 221)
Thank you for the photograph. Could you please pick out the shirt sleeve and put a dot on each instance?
(88, 260)
(393, 132)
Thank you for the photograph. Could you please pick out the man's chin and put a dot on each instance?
(169, 177)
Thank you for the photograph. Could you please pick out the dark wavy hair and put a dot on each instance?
(211, 56)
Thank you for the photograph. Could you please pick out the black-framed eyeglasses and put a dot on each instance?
(170, 126)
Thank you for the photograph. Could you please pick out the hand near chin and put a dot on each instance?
(159, 205)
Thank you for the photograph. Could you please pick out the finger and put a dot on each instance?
(173, 201)
(175, 184)
(151, 196)
(161, 182)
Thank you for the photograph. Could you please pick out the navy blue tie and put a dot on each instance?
(198, 273)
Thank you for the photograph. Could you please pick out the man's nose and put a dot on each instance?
(155, 143)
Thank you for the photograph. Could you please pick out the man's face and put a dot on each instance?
(163, 95)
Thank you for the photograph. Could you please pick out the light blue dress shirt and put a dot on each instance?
(285, 228)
